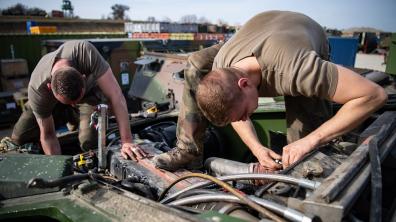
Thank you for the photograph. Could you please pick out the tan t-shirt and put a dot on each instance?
(290, 48)
(83, 56)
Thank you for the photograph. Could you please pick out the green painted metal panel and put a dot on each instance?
(270, 116)
(64, 210)
(17, 169)
(391, 61)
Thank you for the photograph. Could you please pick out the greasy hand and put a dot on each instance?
(266, 158)
(132, 151)
(295, 151)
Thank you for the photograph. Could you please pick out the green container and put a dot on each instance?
(391, 60)
(269, 116)
(29, 47)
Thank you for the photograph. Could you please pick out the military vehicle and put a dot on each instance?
(348, 180)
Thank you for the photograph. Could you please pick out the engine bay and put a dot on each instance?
(329, 184)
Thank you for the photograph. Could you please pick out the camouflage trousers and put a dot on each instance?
(26, 129)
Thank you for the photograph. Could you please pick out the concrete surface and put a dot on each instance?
(370, 61)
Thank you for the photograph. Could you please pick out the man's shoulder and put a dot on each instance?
(77, 43)
(42, 71)
(203, 59)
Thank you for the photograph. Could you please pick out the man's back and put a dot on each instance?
(82, 55)
(291, 50)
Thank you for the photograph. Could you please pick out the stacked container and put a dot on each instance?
(159, 27)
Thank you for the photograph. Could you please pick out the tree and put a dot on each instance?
(166, 19)
(36, 12)
(20, 9)
(189, 19)
(151, 19)
(17, 9)
(221, 22)
(119, 11)
(203, 20)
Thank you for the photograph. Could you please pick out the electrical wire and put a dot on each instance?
(226, 186)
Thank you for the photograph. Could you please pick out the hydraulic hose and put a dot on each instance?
(275, 177)
(239, 195)
(286, 212)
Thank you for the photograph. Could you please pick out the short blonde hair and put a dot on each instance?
(217, 93)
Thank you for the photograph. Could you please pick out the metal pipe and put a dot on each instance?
(102, 126)
(226, 186)
(286, 212)
(222, 167)
(276, 177)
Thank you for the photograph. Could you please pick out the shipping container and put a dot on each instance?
(42, 29)
(159, 27)
(343, 50)
(209, 36)
(391, 58)
(212, 28)
(30, 24)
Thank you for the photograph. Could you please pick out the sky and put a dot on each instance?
(339, 14)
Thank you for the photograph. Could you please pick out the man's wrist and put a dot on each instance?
(315, 139)
(126, 141)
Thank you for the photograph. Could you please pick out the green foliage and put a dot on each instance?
(119, 11)
(21, 10)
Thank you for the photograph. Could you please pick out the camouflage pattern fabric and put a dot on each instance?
(192, 124)
(26, 130)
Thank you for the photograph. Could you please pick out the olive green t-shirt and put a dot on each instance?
(291, 50)
(83, 56)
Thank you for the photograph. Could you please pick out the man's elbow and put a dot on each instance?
(379, 97)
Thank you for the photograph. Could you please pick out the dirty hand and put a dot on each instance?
(295, 151)
(133, 151)
(267, 158)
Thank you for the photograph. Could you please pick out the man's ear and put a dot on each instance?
(242, 83)
(49, 86)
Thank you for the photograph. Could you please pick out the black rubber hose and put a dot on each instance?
(376, 181)
(61, 182)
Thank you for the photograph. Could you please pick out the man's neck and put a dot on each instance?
(59, 64)
(251, 67)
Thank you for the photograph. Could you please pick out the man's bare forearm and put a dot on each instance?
(247, 133)
(50, 145)
(351, 115)
(121, 112)
(48, 138)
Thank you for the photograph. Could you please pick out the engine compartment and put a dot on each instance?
(331, 180)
